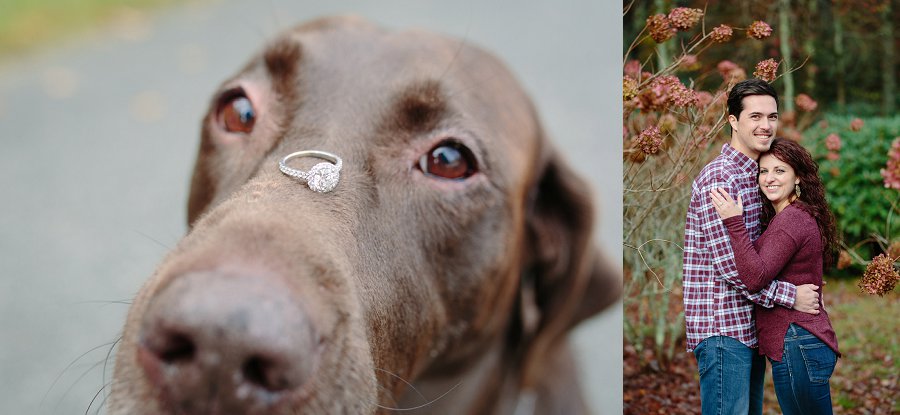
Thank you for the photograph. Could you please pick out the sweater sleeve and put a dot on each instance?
(758, 265)
(722, 255)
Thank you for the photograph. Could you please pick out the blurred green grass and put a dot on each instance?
(28, 24)
(866, 327)
(867, 377)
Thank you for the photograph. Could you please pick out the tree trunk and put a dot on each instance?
(784, 35)
(809, 47)
(888, 63)
(839, 70)
(663, 50)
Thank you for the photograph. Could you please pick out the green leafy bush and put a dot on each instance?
(853, 182)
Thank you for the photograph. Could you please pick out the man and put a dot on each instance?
(718, 308)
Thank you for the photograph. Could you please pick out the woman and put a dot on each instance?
(797, 243)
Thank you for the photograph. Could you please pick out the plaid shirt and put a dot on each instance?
(716, 302)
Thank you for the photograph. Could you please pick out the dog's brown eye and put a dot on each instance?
(449, 160)
(236, 113)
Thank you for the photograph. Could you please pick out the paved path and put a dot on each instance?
(97, 139)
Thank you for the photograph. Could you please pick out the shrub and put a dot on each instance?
(864, 208)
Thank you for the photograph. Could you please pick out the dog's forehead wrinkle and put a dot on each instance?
(282, 57)
(419, 106)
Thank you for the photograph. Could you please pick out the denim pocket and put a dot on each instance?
(703, 361)
(819, 360)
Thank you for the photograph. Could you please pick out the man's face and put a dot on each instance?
(754, 130)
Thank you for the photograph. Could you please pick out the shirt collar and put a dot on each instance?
(745, 163)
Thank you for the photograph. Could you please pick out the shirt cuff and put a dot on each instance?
(785, 294)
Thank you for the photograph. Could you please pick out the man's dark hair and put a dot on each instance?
(746, 88)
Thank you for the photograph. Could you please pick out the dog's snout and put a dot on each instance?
(242, 342)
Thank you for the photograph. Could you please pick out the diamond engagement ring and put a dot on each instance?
(323, 177)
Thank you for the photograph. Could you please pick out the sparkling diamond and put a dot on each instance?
(323, 177)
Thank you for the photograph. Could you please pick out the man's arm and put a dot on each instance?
(722, 256)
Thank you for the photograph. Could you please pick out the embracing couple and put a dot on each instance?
(757, 238)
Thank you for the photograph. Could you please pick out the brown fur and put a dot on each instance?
(464, 286)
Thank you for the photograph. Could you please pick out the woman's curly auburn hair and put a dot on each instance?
(812, 194)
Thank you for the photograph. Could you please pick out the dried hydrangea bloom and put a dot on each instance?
(787, 118)
(689, 63)
(683, 96)
(721, 34)
(833, 156)
(660, 28)
(633, 68)
(880, 276)
(731, 72)
(806, 103)
(833, 142)
(759, 30)
(704, 99)
(679, 95)
(766, 70)
(650, 140)
(792, 134)
(667, 123)
(654, 97)
(893, 250)
(629, 88)
(683, 18)
(844, 260)
(726, 66)
(857, 124)
(736, 76)
(891, 172)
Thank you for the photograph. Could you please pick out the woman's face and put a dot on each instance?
(777, 180)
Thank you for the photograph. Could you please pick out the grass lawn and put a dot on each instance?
(868, 374)
(25, 24)
(867, 377)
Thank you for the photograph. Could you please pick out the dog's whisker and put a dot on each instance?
(76, 382)
(109, 354)
(102, 404)
(158, 242)
(66, 369)
(462, 44)
(423, 405)
(105, 302)
(424, 399)
(88, 409)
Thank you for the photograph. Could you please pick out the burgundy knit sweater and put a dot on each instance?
(789, 250)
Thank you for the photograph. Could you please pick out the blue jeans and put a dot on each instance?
(801, 377)
(731, 377)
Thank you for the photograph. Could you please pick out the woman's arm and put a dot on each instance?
(757, 266)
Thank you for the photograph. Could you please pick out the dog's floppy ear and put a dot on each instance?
(566, 280)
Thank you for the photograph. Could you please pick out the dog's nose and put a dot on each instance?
(237, 343)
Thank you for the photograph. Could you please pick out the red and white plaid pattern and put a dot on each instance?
(716, 302)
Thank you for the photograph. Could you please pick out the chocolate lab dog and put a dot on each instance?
(442, 273)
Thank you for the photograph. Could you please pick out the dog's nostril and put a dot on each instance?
(265, 373)
(228, 341)
(176, 348)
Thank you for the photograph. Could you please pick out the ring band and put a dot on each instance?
(323, 177)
